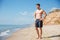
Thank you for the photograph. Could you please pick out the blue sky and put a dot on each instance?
(17, 12)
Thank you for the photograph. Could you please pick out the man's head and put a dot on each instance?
(38, 6)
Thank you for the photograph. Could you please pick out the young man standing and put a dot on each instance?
(39, 20)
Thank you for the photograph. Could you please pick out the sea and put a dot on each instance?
(7, 30)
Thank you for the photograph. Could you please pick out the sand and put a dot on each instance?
(50, 32)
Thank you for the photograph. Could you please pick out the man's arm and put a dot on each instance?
(35, 16)
(44, 13)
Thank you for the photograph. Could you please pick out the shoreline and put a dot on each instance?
(30, 33)
(8, 32)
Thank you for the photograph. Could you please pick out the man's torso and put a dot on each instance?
(39, 14)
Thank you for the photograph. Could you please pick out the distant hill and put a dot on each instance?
(53, 17)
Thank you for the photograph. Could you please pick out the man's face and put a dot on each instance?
(37, 6)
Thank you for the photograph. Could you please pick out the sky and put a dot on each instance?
(19, 12)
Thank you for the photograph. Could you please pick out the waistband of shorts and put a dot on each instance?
(39, 19)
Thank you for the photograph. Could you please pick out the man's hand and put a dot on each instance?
(42, 19)
(34, 19)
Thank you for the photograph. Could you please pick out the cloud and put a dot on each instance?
(24, 13)
(54, 8)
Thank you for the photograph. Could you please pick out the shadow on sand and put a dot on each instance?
(52, 36)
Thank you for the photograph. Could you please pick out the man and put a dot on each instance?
(39, 20)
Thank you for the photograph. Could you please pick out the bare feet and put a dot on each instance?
(37, 37)
(40, 37)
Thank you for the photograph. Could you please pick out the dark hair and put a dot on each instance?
(38, 4)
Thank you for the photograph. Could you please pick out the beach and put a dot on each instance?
(50, 32)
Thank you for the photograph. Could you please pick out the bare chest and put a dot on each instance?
(39, 12)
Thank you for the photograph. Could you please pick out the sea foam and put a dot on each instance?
(5, 33)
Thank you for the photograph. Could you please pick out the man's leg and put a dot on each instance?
(40, 32)
(37, 32)
(41, 25)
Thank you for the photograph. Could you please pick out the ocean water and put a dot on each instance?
(7, 30)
